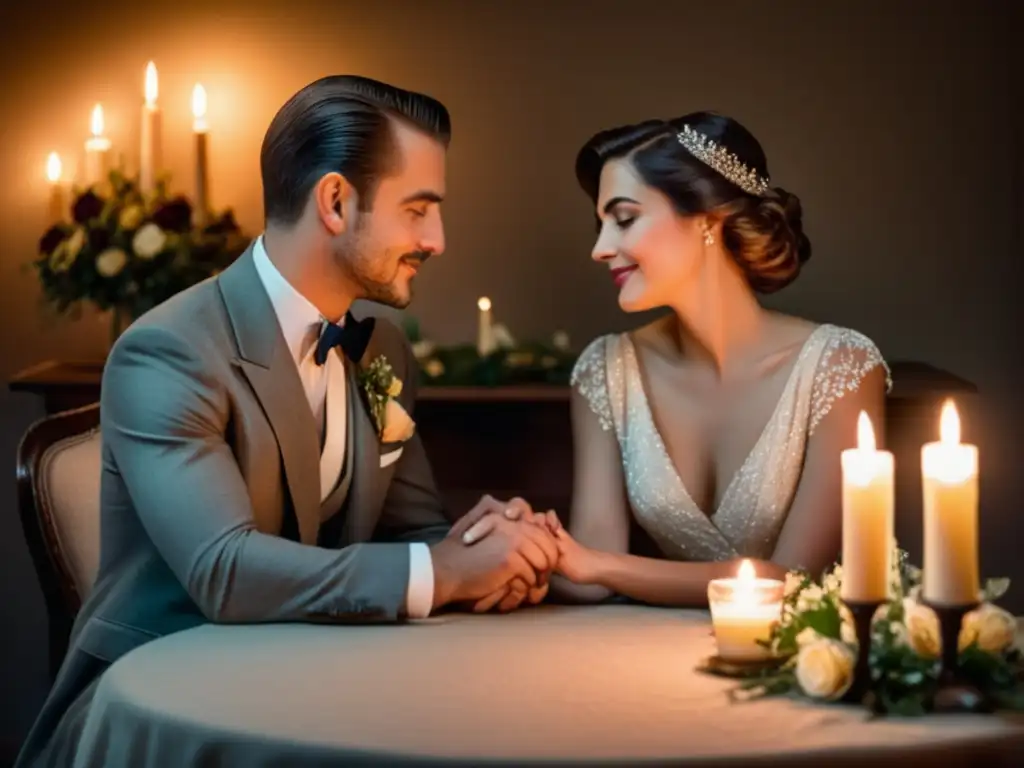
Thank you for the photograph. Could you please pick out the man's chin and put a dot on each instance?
(396, 299)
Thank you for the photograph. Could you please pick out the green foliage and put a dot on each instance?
(461, 365)
(379, 384)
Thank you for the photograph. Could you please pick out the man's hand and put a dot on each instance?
(511, 596)
(509, 550)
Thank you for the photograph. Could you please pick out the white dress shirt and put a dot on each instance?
(325, 387)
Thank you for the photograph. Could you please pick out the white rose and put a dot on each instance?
(848, 632)
(923, 633)
(398, 425)
(824, 669)
(149, 241)
(992, 628)
(922, 629)
(111, 261)
(423, 349)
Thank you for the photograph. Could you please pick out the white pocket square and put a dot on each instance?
(390, 458)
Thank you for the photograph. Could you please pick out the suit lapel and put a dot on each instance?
(264, 358)
(361, 516)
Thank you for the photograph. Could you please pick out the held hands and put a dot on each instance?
(495, 547)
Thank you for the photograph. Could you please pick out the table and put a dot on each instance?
(546, 685)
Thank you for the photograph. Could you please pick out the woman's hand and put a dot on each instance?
(577, 563)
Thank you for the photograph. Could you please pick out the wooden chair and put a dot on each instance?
(58, 474)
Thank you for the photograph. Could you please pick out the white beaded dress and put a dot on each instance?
(832, 362)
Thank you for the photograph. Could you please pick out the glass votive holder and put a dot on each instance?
(744, 610)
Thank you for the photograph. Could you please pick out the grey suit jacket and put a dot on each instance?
(210, 459)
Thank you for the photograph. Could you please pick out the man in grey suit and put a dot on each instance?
(259, 458)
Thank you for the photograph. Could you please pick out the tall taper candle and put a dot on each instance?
(97, 150)
(53, 171)
(200, 127)
(868, 527)
(151, 142)
(949, 471)
(485, 343)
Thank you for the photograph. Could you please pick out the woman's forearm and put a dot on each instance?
(570, 592)
(658, 582)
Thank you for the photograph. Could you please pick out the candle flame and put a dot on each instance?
(53, 168)
(746, 572)
(97, 121)
(949, 424)
(198, 102)
(152, 85)
(484, 304)
(865, 433)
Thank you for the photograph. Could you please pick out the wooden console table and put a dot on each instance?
(511, 441)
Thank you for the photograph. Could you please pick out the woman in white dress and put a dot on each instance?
(718, 428)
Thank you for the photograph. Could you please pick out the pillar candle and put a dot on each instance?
(151, 142)
(949, 471)
(97, 151)
(868, 518)
(201, 130)
(53, 172)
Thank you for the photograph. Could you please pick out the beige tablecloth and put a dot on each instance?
(542, 686)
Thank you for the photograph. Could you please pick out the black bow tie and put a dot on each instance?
(353, 338)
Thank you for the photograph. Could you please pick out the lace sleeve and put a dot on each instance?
(848, 357)
(590, 379)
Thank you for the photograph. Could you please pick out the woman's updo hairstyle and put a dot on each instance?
(762, 226)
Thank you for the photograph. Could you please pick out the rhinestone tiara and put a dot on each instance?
(722, 160)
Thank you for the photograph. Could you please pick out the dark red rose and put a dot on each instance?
(88, 206)
(224, 225)
(48, 243)
(174, 215)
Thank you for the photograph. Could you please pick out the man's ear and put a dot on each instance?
(332, 195)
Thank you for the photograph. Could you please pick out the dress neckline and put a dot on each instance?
(787, 394)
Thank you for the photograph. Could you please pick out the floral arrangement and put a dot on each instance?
(512, 362)
(816, 643)
(127, 251)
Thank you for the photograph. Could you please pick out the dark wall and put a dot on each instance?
(901, 131)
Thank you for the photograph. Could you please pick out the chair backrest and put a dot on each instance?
(59, 500)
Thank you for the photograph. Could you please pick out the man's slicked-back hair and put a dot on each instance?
(340, 124)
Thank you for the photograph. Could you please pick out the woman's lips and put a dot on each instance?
(621, 274)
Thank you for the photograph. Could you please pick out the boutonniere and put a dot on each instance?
(382, 387)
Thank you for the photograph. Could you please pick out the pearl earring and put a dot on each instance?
(709, 238)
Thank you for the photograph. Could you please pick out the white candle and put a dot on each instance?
(743, 612)
(151, 142)
(200, 127)
(97, 150)
(949, 471)
(485, 343)
(53, 172)
(868, 518)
